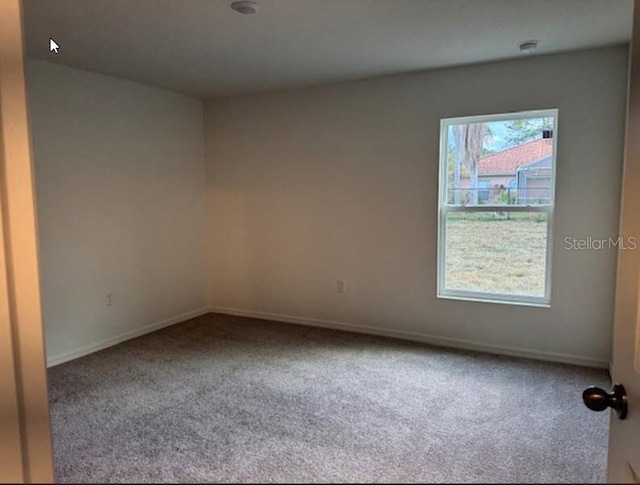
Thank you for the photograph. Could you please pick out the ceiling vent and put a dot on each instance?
(528, 46)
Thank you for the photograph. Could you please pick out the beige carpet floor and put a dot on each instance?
(229, 399)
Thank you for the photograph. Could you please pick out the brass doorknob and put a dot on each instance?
(598, 399)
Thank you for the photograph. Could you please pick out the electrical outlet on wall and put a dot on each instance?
(342, 286)
(110, 299)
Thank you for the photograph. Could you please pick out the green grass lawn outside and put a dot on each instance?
(496, 252)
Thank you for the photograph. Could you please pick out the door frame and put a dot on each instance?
(25, 437)
(624, 441)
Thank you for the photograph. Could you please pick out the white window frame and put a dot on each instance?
(444, 209)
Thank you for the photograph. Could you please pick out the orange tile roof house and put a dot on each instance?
(524, 171)
(508, 161)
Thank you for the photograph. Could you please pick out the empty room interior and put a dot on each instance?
(330, 240)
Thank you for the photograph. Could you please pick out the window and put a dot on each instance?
(496, 198)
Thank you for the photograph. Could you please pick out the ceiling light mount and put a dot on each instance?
(528, 46)
(245, 7)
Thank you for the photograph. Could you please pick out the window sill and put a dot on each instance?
(536, 303)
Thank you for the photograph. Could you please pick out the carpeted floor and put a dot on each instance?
(229, 399)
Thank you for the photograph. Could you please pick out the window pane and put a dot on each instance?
(496, 252)
(500, 162)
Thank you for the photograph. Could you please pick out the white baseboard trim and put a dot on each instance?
(420, 337)
(110, 342)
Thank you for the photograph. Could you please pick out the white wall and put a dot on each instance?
(120, 193)
(340, 181)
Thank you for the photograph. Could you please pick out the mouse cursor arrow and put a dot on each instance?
(53, 47)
